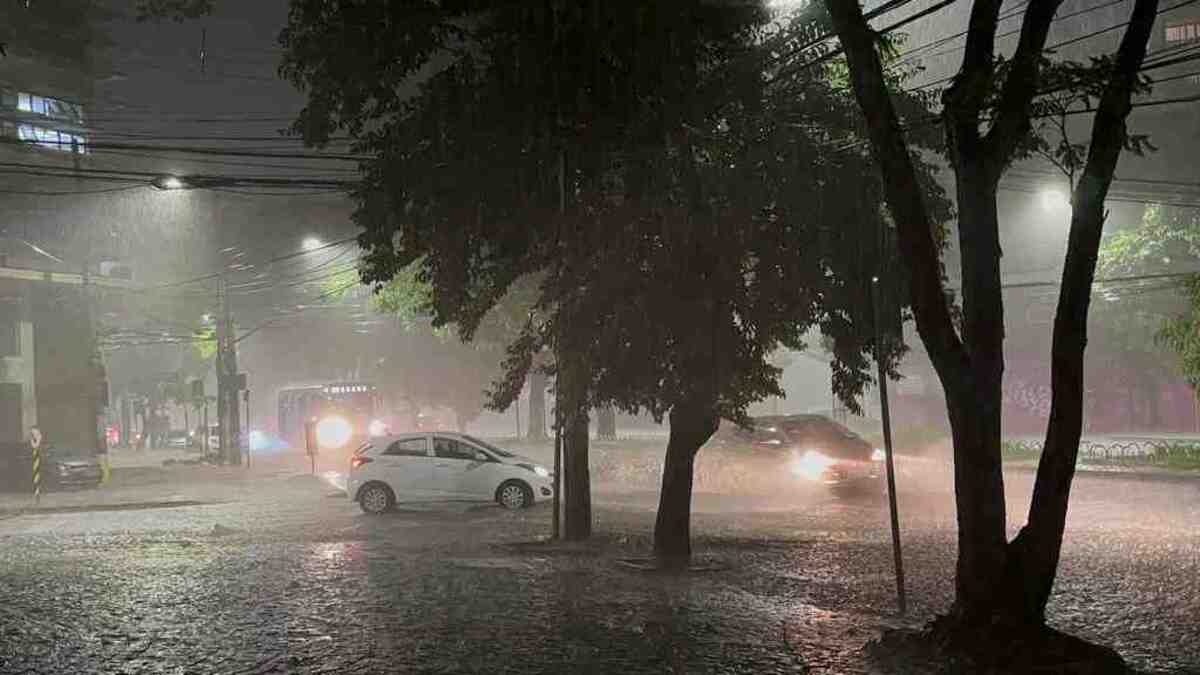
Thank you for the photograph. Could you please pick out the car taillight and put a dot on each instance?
(358, 461)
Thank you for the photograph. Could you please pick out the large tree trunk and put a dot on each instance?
(1037, 548)
(577, 489)
(975, 410)
(691, 426)
(537, 405)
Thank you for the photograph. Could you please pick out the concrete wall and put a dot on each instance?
(66, 385)
(20, 370)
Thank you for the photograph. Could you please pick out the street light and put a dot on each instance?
(311, 244)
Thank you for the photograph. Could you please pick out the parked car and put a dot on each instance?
(442, 466)
(812, 448)
(61, 468)
(179, 439)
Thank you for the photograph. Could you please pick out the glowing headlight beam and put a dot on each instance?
(377, 428)
(811, 465)
(334, 432)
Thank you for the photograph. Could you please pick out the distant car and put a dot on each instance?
(812, 448)
(60, 468)
(179, 440)
(442, 466)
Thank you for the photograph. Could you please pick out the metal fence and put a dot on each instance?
(1121, 451)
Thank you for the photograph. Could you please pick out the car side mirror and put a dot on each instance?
(481, 456)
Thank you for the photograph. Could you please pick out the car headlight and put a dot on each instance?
(878, 455)
(334, 432)
(63, 469)
(377, 428)
(811, 465)
(537, 469)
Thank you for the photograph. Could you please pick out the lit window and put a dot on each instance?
(1183, 31)
(52, 139)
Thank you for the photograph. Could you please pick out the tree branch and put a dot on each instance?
(902, 189)
(963, 99)
(1040, 542)
(1012, 121)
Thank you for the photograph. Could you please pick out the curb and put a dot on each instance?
(86, 508)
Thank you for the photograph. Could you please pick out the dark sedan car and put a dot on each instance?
(812, 448)
(61, 468)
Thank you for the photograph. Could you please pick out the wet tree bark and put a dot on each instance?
(537, 405)
(996, 583)
(1036, 549)
(692, 425)
(576, 483)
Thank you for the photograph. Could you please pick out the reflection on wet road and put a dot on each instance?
(294, 579)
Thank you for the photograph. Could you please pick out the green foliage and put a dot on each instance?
(702, 221)
(1181, 334)
(204, 347)
(405, 296)
(1140, 326)
(1067, 88)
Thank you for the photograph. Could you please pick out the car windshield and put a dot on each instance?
(503, 453)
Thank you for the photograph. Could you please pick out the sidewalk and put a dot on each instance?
(140, 480)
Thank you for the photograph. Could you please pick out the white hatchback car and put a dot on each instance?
(442, 466)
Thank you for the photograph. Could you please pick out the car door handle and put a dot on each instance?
(441, 465)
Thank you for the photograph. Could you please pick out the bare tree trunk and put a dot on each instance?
(577, 497)
(537, 405)
(979, 498)
(1038, 546)
(691, 426)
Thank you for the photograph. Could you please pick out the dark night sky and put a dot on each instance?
(157, 91)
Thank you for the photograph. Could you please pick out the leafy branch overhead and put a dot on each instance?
(693, 232)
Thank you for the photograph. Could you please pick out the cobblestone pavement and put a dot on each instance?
(283, 577)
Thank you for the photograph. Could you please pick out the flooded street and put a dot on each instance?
(287, 576)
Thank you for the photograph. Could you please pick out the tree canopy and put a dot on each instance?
(667, 191)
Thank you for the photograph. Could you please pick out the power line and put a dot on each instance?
(1072, 40)
(197, 150)
(66, 193)
(215, 275)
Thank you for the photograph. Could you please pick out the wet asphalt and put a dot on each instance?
(286, 576)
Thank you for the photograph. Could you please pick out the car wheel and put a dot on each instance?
(514, 495)
(376, 498)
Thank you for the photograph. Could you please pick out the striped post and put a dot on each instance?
(37, 475)
(35, 442)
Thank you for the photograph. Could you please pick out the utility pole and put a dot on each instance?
(890, 467)
(246, 399)
(222, 380)
(227, 382)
